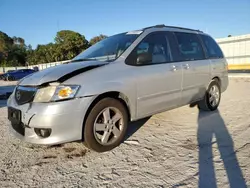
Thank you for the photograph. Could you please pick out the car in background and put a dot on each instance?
(10, 71)
(16, 74)
(2, 76)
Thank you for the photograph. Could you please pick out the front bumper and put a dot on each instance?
(64, 118)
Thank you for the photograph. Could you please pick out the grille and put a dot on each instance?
(24, 94)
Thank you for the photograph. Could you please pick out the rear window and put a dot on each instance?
(212, 48)
(190, 47)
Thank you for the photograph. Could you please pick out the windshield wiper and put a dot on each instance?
(82, 59)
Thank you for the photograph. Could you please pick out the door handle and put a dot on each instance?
(173, 68)
(186, 66)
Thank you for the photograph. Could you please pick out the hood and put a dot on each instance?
(60, 73)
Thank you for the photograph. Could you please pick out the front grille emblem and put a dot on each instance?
(18, 95)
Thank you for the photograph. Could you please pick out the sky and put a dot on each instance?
(37, 21)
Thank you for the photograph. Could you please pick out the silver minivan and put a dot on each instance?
(123, 78)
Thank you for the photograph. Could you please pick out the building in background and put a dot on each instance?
(237, 51)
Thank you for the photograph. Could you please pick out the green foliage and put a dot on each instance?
(17, 56)
(5, 43)
(67, 44)
(70, 43)
(18, 41)
(97, 39)
(12, 50)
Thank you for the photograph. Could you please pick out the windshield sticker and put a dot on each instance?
(133, 32)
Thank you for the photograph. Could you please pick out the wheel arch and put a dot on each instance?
(110, 94)
(218, 79)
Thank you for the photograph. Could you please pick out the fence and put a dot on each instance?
(237, 51)
(40, 66)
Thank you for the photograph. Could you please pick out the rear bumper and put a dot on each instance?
(64, 118)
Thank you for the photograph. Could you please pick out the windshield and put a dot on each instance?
(110, 48)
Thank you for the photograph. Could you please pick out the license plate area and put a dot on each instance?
(14, 116)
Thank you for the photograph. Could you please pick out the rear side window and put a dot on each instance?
(212, 48)
(190, 47)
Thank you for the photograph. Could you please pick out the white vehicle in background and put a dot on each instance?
(123, 78)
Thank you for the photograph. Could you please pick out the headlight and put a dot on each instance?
(55, 93)
(45, 94)
(65, 92)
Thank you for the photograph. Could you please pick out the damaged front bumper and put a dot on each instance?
(63, 119)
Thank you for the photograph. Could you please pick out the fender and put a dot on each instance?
(125, 89)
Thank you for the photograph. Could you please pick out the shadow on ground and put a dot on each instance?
(211, 124)
(135, 126)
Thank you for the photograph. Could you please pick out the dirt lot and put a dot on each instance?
(178, 148)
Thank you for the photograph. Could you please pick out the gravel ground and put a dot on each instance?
(178, 148)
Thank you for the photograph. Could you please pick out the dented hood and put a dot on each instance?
(60, 73)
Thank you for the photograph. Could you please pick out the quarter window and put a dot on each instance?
(189, 46)
(212, 48)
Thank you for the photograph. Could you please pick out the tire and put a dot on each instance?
(10, 78)
(206, 104)
(93, 137)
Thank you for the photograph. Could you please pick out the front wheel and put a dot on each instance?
(212, 97)
(106, 125)
(10, 78)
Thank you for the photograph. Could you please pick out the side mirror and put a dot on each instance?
(144, 58)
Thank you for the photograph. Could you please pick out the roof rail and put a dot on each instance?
(175, 27)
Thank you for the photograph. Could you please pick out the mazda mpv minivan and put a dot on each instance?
(123, 78)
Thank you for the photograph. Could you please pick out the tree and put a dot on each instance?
(17, 56)
(5, 43)
(97, 39)
(14, 51)
(17, 52)
(18, 41)
(70, 43)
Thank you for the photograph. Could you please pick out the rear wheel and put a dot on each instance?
(106, 125)
(212, 97)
